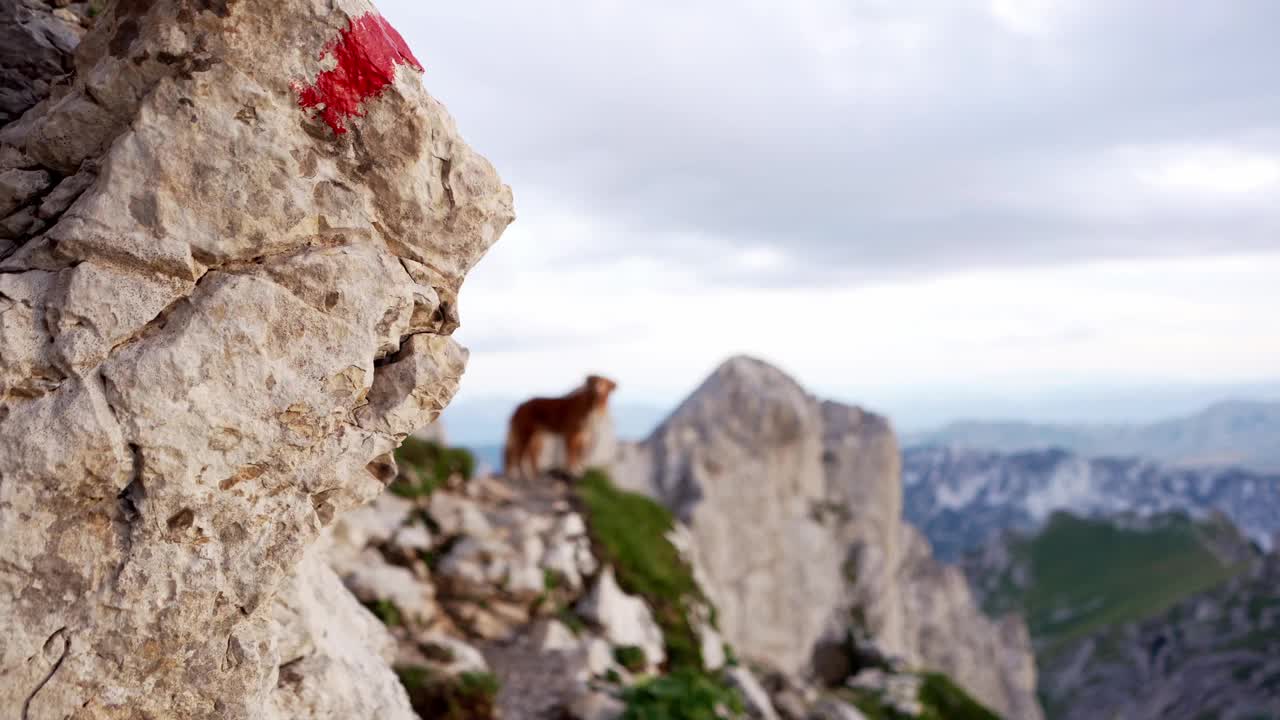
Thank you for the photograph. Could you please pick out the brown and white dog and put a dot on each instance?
(569, 417)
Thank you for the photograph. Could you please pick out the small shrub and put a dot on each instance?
(479, 683)
(730, 657)
(870, 704)
(427, 466)
(386, 611)
(571, 620)
(550, 579)
(631, 657)
(469, 696)
(943, 700)
(437, 653)
(628, 531)
(682, 695)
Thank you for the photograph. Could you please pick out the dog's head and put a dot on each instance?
(600, 387)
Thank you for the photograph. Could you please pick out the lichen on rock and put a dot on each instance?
(216, 315)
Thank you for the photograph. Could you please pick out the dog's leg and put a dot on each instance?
(532, 454)
(511, 455)
(575, 445)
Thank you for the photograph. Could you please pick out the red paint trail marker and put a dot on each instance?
(367, 53)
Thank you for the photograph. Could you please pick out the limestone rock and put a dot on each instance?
(825, 551)
(374, 523)
(599, 656)
(791, 706)
(753, 693)
(711, 646)
(900, 691)
(911, 606)
(625, 620)
(475, 567)
(596, 706)
(862, 466)
(36, 46)
(829, 709)
(412, 538)
(334, 654)
(561, 558)
(946, 631)
(433, 433)
(457, 515)
(553, 636)
(452, 655)
(535, 684)
(374, 579)
(237, 305)
(740, 463)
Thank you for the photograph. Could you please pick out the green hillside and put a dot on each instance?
(1080, 575)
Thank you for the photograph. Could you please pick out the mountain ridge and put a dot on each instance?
(961, 498)
(1232, 432)
(1145, 618)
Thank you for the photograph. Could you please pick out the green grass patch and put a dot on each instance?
(940, 699)
(628, 531)
(426, 466)
(550, 579)
(944, 700)
(1092, 574)
(870, 705)
(630, 657)
(730, 656)
(682, 695)
(469, 696)
(386, 611)
(571, 620)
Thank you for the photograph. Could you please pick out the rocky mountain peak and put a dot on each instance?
(795, 509)
(746, 398)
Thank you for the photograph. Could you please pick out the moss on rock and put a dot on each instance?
(682, 695)
(469, 696)
(629, 532)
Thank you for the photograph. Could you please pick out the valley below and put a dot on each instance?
(1150, 591)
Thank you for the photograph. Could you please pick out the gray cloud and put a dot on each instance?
(862, 138)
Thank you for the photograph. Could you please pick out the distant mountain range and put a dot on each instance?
(963, 498)
(1155, 618)
(1080, 575)
(1240, 433)
(1212, 655)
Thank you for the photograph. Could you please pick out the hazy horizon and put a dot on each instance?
(481, 420)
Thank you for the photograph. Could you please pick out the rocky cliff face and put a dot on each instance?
(862, 488)
(1214, 655)
(1140, 616)
(37, 40)
(740, 461)
(795, 510)
(231, 247)
(551, 599)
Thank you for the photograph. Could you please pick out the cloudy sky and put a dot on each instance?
(941, 208)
